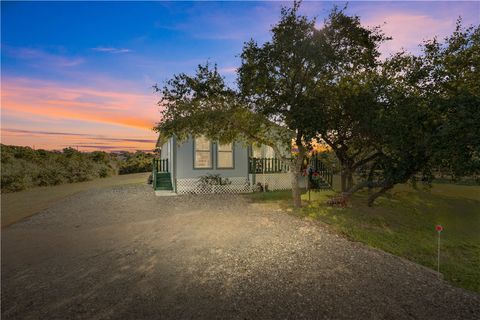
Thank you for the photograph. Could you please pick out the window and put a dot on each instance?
(203, 153)
(225, 155)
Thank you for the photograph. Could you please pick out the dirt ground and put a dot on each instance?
(123, 253)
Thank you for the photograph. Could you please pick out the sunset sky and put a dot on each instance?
(80, 73)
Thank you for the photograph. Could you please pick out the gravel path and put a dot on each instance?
(123, 253)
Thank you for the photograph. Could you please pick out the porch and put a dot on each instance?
(264, 174)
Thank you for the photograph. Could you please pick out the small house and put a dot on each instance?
(199, 165)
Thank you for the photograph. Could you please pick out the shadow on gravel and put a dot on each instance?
(125, 254)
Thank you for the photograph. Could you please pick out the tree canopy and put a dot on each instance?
(388, 120)
(271, 105)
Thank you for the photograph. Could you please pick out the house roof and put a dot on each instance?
(160, 141)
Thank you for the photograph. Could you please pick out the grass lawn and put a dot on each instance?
(19, 205)
(403, 223)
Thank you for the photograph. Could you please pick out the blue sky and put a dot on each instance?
(88, 67)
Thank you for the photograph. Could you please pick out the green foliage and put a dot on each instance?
(330, 160)
(24, 167)
(348, 98)
(401, 118)
(452, 83)
(135, 162)
(430, 114)
(271, 105)
(203, 104)
(17, 175)
(392, 119)
(277, 78)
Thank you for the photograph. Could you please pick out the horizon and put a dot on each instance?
(152, 151)
(80, 74)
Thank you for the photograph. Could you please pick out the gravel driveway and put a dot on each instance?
(123, 253)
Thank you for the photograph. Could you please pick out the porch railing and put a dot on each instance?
(158, 165)
(267, 165)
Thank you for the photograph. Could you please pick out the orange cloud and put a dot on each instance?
(41, 139)
(35, 97)
(50, 115)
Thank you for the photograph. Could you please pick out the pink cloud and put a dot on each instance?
(228, 70)
(56, 100)
(125, 117)
(408, 30)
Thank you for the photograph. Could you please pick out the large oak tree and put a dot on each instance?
(387, 121)
(272, 105)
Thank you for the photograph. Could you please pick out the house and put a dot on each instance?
(199, 165)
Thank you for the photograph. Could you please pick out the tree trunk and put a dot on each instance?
(347, 179)
(295, 170)
(370, 178)
(296, 194)
(377, 194)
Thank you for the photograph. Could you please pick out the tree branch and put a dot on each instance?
(366, 160)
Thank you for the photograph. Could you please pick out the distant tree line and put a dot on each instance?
(23, 167)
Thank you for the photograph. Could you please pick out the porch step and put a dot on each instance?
(164, 181)
(165, 193)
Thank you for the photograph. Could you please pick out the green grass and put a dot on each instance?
(271, 196)
(19, 205)
(403, 223)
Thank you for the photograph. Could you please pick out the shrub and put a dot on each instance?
(24, 167)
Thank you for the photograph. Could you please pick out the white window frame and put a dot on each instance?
(208, 151)
(231, 151)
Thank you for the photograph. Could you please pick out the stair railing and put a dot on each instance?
(158, 166)
(325, 172)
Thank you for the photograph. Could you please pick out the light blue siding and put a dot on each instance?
(185, 155)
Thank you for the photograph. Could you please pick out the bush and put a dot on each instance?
(136, 162)
(17, 175)
(24, 167)
(51, 174)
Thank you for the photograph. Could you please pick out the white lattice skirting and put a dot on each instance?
(193, 185)
(275, 181)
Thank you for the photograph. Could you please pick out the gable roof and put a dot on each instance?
(160, 141)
